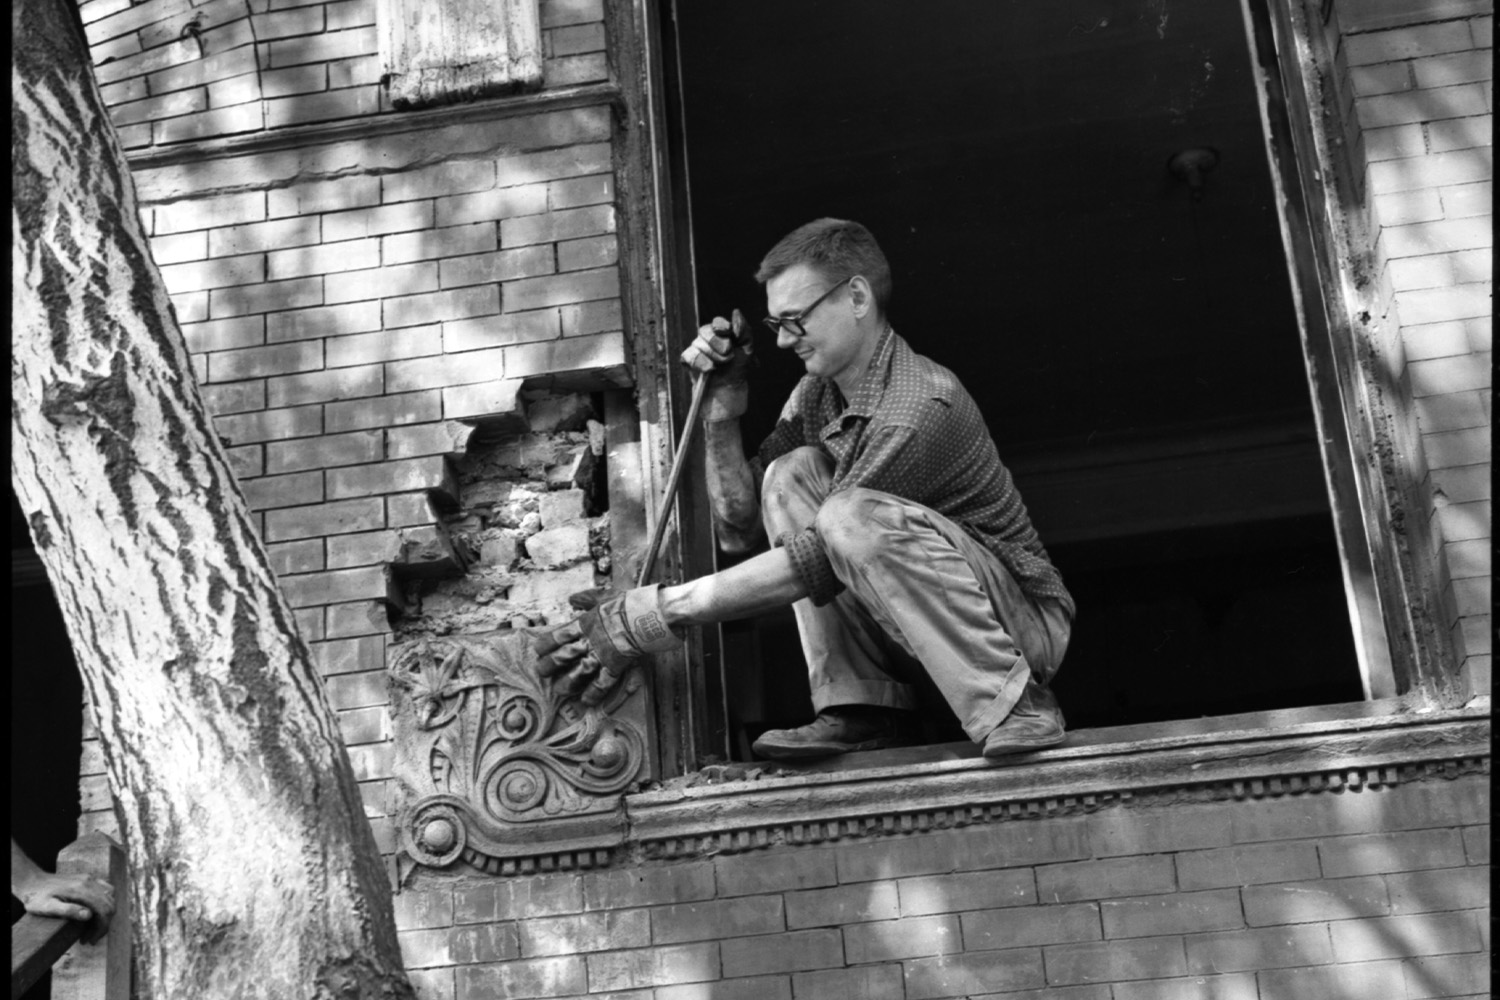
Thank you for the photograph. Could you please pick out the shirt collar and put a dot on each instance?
(872, 383)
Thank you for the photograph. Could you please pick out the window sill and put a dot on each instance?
(1243, 756)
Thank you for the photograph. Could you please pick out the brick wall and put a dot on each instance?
(175, 73)
(356, 300)
(1416, 82)
(1354, 894)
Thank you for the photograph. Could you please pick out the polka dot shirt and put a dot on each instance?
(913, 431)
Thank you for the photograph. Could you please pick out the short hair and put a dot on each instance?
(838, 249)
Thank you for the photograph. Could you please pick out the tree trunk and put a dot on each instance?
(254, 870)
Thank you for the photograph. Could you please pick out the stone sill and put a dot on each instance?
(1236, 756)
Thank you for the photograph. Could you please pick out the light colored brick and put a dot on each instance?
(391, 345)
(498, 331)
(564, 224)
(322, 321)
(1121, 831)
(253, 362)
(359, 618)
(794, 951)
(1311, 902)
(1031, 925)
(1462, 166)
(219, 272)
(246, 462)
(1454, 68)
(584, 318)
(579, 191)
(225, 334)
(373, 761)
(425, 948)
(1229, 987)
(1465, 373)
(573, 161)
(305, 556)
(1173, 913)
(595, 251)
(485, 943)
(179, 248)
(1469, 446)
(577, 39)
(1473, 598)
(246, 428)
(715, 920)
(974, 973)
(235, 90)
(205, 213)
(234, 56)
(427, 473)
(600, 351)
(1407, 43)
(911, 937)
(234, 397)
(1473, 132)
(798, 868)
(570, 71)
(372, 725)
(843, 905)
(190, 307)
(1438, 305)
(407, 408)
(313, 197)
(456, 177)
(323, 452)
(1408, 806)
(1441, 270)
(1448, 976)
(534, 977)
(334, 518)
(323, 47)
(1101, 879)
(1402, 208)
(364, 549)
(334, 586)
(968, 891)
(675, 883)
(293, 80)
(488, 206)
(1404, 936)
(451, 241)
(409, 510)
(1381, 78)
(1246, 950)
(1421, 106)
(557, 13)
(1464, 201)
(259, 236)
(603, 930)
(504, 265)
(381, 282)
(1464, 522)
(445, 370)
(979, 848)
(1108, 961)
(349, 656)
(350, 255)
(1395, 143)
(535, 896)
(321, 386)
(268, 297)
(666, 966)
(209, 124)
(432, 307)
(1252, 864)
(1468, 558)
(357, 71)
(1439, 890)
(1374, 853)
(378, 221)
(320, 107)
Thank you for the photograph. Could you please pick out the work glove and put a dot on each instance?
(590, 654)
(726, 348)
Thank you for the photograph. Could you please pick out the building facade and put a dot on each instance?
(434, 262)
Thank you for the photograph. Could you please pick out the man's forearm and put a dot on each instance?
(759, 584)
(731, 488)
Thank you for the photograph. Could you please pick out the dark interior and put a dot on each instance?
(1129, 337)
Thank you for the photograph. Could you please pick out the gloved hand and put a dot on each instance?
(593, 651)
(726, 348)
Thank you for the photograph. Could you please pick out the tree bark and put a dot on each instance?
(253, 868)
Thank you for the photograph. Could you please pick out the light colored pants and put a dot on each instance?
(919, 589)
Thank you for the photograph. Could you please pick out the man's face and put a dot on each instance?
(833, 338)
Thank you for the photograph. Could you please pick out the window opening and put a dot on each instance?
(1127, 329)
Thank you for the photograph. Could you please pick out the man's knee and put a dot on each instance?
(801, 470)
(850, 528)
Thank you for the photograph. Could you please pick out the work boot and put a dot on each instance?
(840, 729)
(1034, 723)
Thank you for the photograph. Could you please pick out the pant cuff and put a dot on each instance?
(882, 694)
(1011, 689)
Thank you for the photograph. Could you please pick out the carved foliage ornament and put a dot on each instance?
(446, 51)
(494, 760)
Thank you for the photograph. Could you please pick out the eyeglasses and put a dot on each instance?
(794, 324)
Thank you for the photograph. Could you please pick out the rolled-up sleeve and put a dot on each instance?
(810, 560)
